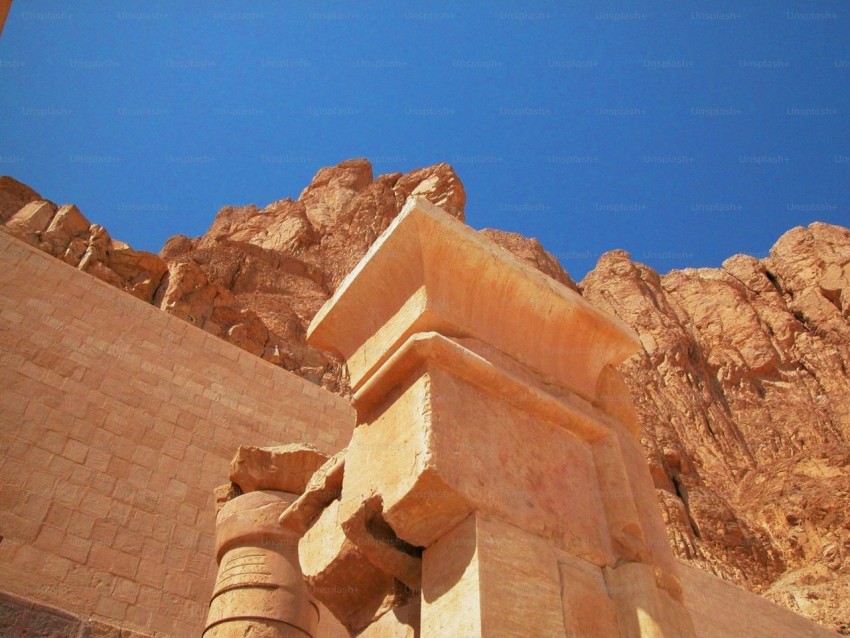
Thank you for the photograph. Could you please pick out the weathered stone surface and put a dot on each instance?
(142, 414)
(324, 487)
(65, 233)
(482, 452)
(257, 276)
(67, 225)
(225, 493)
(100, 629)
(438, 184)
(31, 220)
(365, 526)
(571, 347)
(400, 622)
(332, 188)
(338, 574)
(353, 562)
(291, 232)
(743, 397)
(509, 577)
(259, 589)
(645, 605)
(744, 367)
(141, 272)
(188, 294)
(14, 195)
(531, 252)
(366, 214)
(282, 262)
(285, 468)
(721, 609)
(583, 587)
(21, 618)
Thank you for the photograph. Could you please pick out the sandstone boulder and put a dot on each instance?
(14, 195)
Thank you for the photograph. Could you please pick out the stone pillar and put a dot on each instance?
(260, 589)
(495, 476)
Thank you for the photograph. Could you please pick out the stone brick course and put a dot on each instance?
(117, 420)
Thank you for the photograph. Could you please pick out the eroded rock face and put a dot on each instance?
(14, 195)
(65, 233)
(279, 264)
(531, 252)
(743, 393)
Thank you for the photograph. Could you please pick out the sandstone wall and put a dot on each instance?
(117, 420)
(721, 610)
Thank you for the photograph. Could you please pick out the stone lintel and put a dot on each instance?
(563, 408)
(430, 272)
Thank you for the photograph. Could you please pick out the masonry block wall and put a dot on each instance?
(117, 421)
(721, 609)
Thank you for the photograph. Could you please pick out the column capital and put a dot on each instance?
(430, 272)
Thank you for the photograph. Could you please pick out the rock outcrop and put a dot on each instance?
(65, 233)
(13, 197)
(258, 276)
(743, 393)
(742, 387)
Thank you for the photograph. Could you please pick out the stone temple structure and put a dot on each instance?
(485, 480)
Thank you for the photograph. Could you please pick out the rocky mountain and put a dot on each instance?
(743, 391)
(743, 387)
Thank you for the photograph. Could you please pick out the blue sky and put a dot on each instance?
(680, 132)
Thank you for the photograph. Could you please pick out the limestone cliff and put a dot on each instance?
(743, 387)
(276, 266)
(744, 396)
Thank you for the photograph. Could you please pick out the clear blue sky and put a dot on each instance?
(681, 132)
